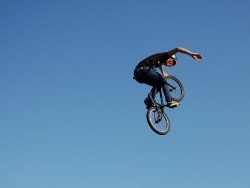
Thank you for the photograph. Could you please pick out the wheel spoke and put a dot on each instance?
(158, 121)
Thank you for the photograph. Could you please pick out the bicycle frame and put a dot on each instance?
(161, 105)
(155, 113)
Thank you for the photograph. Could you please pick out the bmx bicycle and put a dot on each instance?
(156, 117)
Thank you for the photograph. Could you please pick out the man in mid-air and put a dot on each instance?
(145, 72)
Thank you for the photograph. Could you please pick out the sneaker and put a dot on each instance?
(148, 102)
(173, 104)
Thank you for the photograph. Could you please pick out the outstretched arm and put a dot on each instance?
(194, 55)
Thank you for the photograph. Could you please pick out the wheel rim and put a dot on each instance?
(159, 121)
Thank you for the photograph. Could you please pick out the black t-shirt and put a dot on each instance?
(154, 60)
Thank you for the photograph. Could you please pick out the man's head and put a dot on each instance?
(171, 61)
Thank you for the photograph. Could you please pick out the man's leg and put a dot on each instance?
(166, 92)
(150, 77)
(170, 102)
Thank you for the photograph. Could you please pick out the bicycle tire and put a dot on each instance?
(154, 126)
(178, 91)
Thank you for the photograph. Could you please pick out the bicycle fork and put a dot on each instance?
(159, 113)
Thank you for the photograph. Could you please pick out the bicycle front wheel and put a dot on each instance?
(158, 121)
(176, 88)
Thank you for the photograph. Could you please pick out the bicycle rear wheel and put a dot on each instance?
(158, 120)
(176, 88)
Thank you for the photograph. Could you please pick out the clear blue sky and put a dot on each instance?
(72, 116)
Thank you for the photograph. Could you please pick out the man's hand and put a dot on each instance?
(164, 74)
(196, 56)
